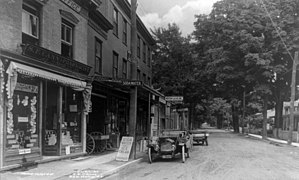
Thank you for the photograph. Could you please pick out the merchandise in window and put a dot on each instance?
(22, 114)
(71, 123)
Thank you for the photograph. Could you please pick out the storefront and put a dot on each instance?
(110, 110)
(43, 111)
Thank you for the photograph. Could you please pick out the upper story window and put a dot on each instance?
(144, 78)
(125, 69)
(138, 74)
(149, 56)
(149, 81)
(98, 56)
(144, 52)
(115, 21)
(30, 24)
(66, 39)
(138, 46)
(125, 31)
(115, 65)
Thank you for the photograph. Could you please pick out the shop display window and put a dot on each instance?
(71, 123)
(22, 113)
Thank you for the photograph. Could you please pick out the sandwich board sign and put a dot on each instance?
(124, 148)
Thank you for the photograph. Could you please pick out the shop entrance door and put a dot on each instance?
(51, 124)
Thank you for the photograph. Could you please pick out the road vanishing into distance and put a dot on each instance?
(229, 156)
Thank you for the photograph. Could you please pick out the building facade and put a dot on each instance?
(109, 53)
(65, 73)
(44, 74)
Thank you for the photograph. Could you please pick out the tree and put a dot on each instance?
(242, 46)
(176, 72)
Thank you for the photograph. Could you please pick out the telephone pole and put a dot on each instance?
(133, 90)
(293, 89)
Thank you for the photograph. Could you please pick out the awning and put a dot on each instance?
(32, 71)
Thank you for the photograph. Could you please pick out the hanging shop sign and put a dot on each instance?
(125, 148)
(53, 58)
(174, 98)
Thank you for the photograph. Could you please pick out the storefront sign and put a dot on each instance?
(24, 151)
(174, 98)
(124, 149)
(119, 81)
(72, 5)
(26, 88)
(56, 59)
(132, 83)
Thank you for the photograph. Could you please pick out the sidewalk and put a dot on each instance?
(86, 167)
(274, 140)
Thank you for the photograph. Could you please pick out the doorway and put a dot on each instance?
(51, 126)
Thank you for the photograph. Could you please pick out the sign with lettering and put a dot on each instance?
(52, 58)
(26, 87)
(119, 81)
(72, 5)
(132, 83)
(24, 151)
(125, 148)
(174, 98)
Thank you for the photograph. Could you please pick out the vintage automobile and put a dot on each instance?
(199, 136)
(168, 145)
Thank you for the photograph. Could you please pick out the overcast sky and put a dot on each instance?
(158, 13)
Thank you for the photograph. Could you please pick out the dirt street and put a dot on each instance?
(228, 156)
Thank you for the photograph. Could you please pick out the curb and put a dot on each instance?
(112, 171)
(272, 140)
(42, 161)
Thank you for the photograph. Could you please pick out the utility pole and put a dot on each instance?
(133, 90)
(244, 106)
(293, 89)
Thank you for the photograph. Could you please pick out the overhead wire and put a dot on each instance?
(276, 29)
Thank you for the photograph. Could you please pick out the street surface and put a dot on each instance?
(228, 156)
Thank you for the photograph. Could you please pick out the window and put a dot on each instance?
(115, 21)
(30, 24)
(149, 57)
(144, 52)
(149, 81)
(138, 46)
(71, 131)
(66, 39)
(125, 31)
(115, 65)
(98, 56)
(138, 74)
(23, 127)
(144, 78)
(125, 69)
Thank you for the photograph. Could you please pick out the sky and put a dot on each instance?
(159, 13)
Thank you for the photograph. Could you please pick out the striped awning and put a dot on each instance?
(32, 71)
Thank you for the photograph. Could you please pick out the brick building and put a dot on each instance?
(51, 53)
